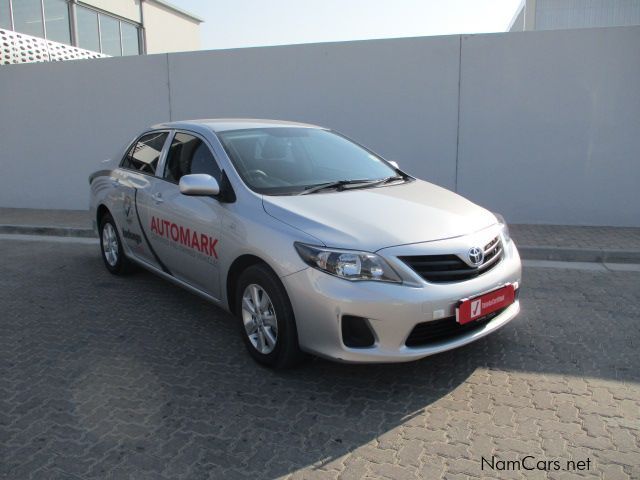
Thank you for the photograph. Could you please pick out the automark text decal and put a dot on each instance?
(186, 237)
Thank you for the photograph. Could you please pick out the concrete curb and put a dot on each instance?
(48, 230)
(575, 254)
(527, 252)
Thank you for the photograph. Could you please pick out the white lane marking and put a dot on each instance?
(48, 238)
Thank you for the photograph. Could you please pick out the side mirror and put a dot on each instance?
(199, 184)
(394, 163)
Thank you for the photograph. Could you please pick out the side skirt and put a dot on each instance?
(174, 280)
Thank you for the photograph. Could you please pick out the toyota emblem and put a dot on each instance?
(476, 255)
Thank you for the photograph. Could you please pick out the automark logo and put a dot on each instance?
(186, 237)
(476, 255)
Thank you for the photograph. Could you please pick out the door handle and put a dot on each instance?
(157, 197)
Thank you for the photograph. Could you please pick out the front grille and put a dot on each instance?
(451, 268)
(444, 329)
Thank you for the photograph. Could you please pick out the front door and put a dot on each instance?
(184, 231)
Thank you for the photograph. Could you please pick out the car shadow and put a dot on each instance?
(202, 392)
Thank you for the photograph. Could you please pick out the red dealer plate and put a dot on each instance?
(472, 309)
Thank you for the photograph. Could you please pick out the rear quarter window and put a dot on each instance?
(145, 153)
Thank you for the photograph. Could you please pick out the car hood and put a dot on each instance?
(374, 218)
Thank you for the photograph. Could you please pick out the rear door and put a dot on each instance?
(184, 231)
(134, 180)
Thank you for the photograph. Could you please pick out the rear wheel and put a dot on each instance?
(111, 247)
(268, 325)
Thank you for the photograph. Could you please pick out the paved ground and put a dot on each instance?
(103, 377)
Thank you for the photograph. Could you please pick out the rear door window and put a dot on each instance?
(145, 154)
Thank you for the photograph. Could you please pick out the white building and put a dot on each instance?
(32, 30)
(564, 14)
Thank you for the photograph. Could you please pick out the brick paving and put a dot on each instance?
(133, 378)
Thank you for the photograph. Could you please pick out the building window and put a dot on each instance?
(50, 19)
(130, 41)
(56, 21)
(106, 34)
(5, 15)
(88, 33)
(110, 35)
(27, 17)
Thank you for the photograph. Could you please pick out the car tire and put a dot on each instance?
(274, 309)
(111, 247)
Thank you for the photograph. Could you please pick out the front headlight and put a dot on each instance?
(347, 264)
(505, 227)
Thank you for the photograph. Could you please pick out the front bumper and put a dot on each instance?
(392, 311)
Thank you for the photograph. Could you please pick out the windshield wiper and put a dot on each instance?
(337, 185)
(341, 184)
(384, 181)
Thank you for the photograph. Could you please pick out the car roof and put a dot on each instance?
(224, 124)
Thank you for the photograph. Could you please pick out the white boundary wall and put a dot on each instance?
(542, 126)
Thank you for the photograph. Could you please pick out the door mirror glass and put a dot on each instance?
(393, 163)
(199, 184)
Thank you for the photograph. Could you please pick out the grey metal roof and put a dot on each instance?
(223, 124)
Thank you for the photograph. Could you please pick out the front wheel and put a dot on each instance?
(268, 325)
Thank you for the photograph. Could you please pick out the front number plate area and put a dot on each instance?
(472, 309)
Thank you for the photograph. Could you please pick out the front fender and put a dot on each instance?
(264, 237)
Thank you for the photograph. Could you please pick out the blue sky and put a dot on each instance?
(246, 23)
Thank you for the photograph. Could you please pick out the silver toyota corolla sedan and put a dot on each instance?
(314, 242)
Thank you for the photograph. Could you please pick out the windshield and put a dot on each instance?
(284, 160)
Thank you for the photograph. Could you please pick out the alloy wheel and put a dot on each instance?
(110, 244)
(259, 318)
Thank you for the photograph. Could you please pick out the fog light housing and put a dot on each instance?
(356, 332)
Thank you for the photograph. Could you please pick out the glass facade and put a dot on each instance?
(56, 21)
(27, 17)
(5, 15)
(110, 36)
(88, 32)
(130, 39)
(95, 30)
